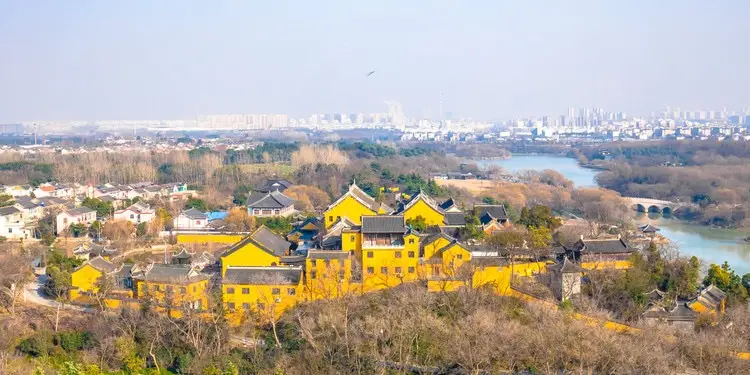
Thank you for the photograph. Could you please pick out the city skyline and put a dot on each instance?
(495, 61)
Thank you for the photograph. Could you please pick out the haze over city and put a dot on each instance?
(490, 60)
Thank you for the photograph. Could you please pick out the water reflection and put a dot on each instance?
(711, 245)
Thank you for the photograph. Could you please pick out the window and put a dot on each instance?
(170, 289)
(230, 305)
(183, 290)
(256, 212)
(313, 275)
(384, 270)
(197, 222)
(156, 288)
(398, 254)
(370, 270)
(411, 254)
(398, 270)
(275, 291)
(230, 290)
(330, 218)
(351, 238)
(291, 291)
(411, 241)
(246, 306)
(436, 270)
(245, 290)
(338, 218)
(10, 230)
(370, 254)
(132, 216)
(342, 274)
(261, 306)
(411, 269)
(460, 256)
(276, 212)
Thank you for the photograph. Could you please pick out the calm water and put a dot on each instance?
(567, 166)
(711, 245)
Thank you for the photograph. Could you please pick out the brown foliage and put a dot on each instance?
(309, 198)
(238, 220)
(118, 230)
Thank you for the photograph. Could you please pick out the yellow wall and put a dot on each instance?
(195, 291)
(84, 280)
(498, 277)
(273, 304)
(373, 277)
(453, 258)
(350, 208)
(615, 264)
(421, 208)
(327, 281)
(248, 255)
(209, 238)
(351, 241)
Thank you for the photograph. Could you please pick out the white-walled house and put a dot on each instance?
(12, 223)
(80, 215)
(137, 213)
(190, 219)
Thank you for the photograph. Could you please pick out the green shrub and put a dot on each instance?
(39, 344)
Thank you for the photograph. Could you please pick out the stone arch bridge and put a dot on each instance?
(652, 205)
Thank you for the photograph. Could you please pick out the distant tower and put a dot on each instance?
(440, 108)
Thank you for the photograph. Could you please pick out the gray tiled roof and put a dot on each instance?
(194, 214)
(263, 275)
(79, 211)
(596, 246)
(447, 204)
(271, 240)
(273, 185)
(171, 273)
(9, 210)
(490, 212)
(102, 265)
(566, 267)
(271, 200)
(403, 206)
(26, 202)
(383, 224)
(455, 219)
(265, 239)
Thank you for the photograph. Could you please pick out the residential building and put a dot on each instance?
(190, 219)
(270, 204)
(273, 185)
(139, 212)
(12, 224)
(80, 215)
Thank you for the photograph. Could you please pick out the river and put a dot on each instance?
(711, 245)
(569, 167)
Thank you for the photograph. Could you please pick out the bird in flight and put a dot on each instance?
(371, 73)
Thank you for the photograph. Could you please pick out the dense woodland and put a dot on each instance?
(711, 175)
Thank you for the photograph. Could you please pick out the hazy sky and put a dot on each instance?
(133, 59)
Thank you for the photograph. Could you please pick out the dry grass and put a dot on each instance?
(476, 187)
